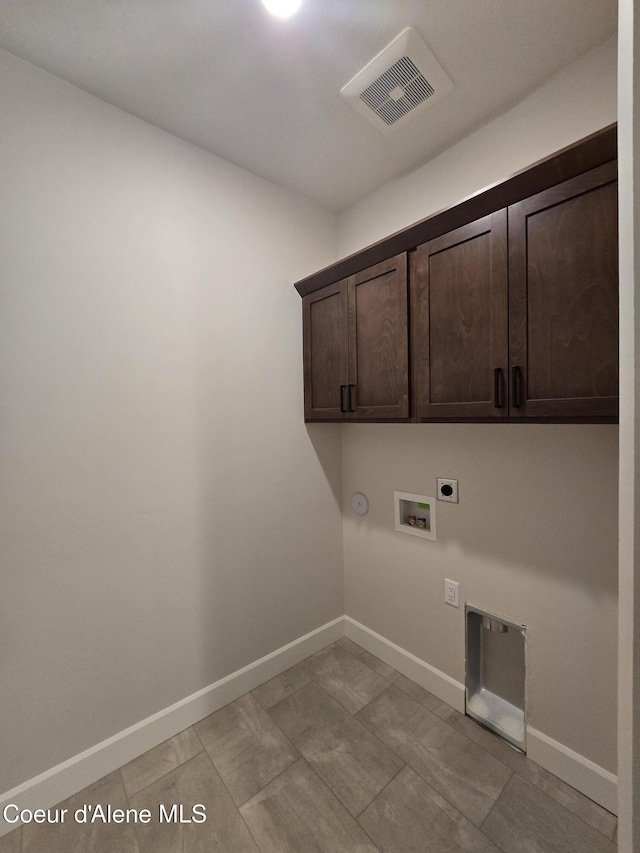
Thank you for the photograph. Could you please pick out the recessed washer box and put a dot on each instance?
(415, 514)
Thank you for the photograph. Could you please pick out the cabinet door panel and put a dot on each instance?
(564, 298)
(459, 322)
(378, 341)
(325, 352)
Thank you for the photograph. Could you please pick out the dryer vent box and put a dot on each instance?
(399, 83)
(495, 676)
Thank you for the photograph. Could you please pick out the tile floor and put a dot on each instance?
(339, 753)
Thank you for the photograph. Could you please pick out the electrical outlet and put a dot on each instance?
(451, 592)
(447, 490)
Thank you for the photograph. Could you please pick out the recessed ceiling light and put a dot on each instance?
(282, 8)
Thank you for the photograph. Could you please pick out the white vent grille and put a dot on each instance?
(399, 90)
(402, 79)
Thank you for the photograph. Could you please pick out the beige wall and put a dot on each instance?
(165, 517)
(533, 538)
(158, 489)
(574, 103)
(535, 534)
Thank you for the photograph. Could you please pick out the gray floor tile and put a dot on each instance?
(12, 842)
(526, 820)
(367, 658)
(437, 706)
(347, 679)
(73, 837)
(192, 783)
(462, 772)
(246, 747)
(151, 766)
(281, 686)
(298, 814)
(357, 722)
(409, 816)
(590, 812)
(352, 761)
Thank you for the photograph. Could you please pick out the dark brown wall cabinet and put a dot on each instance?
(356, 346)
(563, 299)
(516, 315)
(459, 322)
(513, 306)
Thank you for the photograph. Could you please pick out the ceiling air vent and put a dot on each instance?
(400, 82)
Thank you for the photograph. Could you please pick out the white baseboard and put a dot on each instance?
(66, 779)
(50, 788)
(587, 777)
(574, 769)
(441, 685)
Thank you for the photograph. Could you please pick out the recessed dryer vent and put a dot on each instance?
(398, 83)
(495, 678)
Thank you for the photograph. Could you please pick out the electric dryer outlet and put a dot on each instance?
(447, 490)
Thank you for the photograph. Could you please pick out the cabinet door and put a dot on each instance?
(379, 341)
(459, 322)
(324, 316)
(563, 299)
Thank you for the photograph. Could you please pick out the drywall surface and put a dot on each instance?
(574, 103)
(165, 517)
(534, 537)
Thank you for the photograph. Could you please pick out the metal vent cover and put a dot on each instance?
(399, 82)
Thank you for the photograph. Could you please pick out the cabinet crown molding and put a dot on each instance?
(587, 153)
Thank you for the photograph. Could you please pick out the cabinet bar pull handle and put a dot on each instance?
(342, 390)
(497, 380)
(515, 386)
(350, 401)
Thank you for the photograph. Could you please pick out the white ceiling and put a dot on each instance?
(264, 93)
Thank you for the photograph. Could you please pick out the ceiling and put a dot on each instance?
(264, 92)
